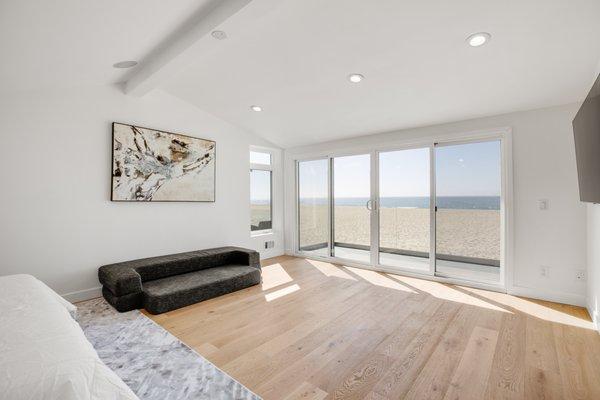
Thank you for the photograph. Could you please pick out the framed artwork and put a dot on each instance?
(153, 165)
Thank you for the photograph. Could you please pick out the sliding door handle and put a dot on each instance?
(371, 205)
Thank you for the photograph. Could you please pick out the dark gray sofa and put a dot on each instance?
(161, 284)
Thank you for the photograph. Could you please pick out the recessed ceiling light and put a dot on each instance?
(355, 78)
(125, 64)
(478, 39)
(256, 108)
(219, 35)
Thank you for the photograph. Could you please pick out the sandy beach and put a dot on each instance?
(467, 233)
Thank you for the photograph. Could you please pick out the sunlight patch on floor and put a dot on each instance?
(379, 279)
(446, 292)
(281, 292)
(329, 269)
(535, 309)
(274, 275)
(490, 300)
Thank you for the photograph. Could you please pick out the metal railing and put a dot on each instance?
(389, 250)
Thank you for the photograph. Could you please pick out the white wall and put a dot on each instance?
(593, 259)
(57, 221)
(543, 168)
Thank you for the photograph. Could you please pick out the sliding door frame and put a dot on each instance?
(503, 134)
(375, 207)
(505, 188)
(432, 211)
(331, 209)
(297, 206)
(413, 146)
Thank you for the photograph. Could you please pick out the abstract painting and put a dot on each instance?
(152, 165)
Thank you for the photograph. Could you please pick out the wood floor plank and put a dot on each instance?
(345, 333)
(332, 345)
(539, 355)
(541, 384)
(207, 350)
(471, 376)
(434, 378)
(407, 367)
(577, 380)
(374, 396)
(363, 303)
(507, 379)
(257, 334)
(361, 378)
(307, 391)
(332, 375)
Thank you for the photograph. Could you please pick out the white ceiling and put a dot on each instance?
(57, 43)
(292, 57)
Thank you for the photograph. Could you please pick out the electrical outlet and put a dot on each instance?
(580, 275)
(543, 204)
(544, 271)
(269, 244)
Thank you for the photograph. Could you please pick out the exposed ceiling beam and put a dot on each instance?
(175, 52)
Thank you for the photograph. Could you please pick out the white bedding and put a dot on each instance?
(43, 351)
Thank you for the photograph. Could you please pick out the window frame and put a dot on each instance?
(262, 167)
(252, 150)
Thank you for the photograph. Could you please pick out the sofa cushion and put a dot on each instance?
(125, 302)
(119, 279)
(166, 294)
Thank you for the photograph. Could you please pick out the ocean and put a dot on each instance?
(448, 202)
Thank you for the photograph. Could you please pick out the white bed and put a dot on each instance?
(43, 351)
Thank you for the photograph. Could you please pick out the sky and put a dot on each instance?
(471, 169)
(260, 186)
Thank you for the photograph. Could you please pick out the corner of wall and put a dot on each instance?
(593, 263)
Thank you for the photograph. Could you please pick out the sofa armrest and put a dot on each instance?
(120, 279)
(250, 257)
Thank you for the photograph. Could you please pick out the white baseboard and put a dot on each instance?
(549, 295)
(82, 295)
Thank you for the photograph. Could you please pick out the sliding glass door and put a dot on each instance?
(313, 207)
(434, 210)
(468, 179)
(351, 207)
(404, 208)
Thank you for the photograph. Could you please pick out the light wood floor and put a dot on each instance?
(315, 330)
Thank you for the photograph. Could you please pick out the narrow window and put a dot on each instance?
(261, 192)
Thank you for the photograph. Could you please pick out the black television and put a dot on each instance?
(586, 127)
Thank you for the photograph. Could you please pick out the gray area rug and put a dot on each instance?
(152, 362)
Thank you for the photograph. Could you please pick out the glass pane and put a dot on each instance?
(352, 219)
(404, 212)
(468, 187)
(260, 200)
(313, 206)
(260, 158)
